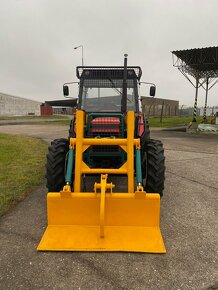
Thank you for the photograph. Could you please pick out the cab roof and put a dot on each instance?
(108, 72)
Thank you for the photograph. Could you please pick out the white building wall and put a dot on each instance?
(11, 105)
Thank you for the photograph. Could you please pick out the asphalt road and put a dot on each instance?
(189, 226)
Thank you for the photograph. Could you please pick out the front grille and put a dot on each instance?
(106, 134)
(105, 149)
(105, 127)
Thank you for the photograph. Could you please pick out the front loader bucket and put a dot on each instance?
(131, 223)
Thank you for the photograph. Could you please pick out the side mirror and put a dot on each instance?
(152, 91)
(65, 90)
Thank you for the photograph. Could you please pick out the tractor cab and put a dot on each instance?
(101, 89)
(106, 94)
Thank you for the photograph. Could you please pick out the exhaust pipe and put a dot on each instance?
(124, 96)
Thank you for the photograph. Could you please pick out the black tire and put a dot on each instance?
(55, 166)
(146, 136)
(147, 130)
(71, 129)
(153, 166)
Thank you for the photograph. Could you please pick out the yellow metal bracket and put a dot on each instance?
(66, 192)
(66, 188)
(140, 193)
(103, 185)
(140, 188)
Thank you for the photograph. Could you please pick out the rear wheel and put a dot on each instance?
(147, 130)
(55, 167)
(153, 166)
(146, 135)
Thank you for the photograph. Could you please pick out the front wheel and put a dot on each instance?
(55, 166)
(153, 166)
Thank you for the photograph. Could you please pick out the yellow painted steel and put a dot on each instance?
(131, 224)
(80, 117)
(102, 220)
(83, 143)
(103, 186)
(102, 203)
(130, 120)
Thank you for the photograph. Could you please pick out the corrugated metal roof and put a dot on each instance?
(62, 103)
(198, 61)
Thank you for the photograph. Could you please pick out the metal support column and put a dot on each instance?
(196, 100)
(205, 106)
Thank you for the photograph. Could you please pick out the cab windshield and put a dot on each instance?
(101, 95)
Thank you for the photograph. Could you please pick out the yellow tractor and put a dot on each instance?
(110, 150)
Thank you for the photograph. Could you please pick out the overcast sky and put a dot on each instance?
(37, 39)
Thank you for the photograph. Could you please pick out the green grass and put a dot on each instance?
(34, 117)
(58, 122)
(169, 122)
(22, 166)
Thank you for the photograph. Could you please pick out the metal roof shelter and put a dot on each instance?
(201, 64)
(62, 103)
